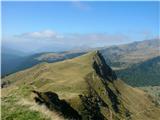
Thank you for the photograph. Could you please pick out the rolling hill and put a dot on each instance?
(81, 88)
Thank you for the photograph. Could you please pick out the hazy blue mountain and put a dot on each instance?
(10, 63)
(10, 59)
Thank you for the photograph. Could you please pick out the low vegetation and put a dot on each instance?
(86, 83)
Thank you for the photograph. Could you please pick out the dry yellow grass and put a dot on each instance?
(67, 79)
(137, 102)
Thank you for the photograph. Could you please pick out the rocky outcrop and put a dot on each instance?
(102, 69)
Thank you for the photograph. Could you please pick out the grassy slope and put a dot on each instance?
(58, 77)
(67, 79)
(138, 102)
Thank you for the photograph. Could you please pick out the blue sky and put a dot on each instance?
(124, 21)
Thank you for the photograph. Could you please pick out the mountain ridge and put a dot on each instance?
(123, 56)
(88, 84)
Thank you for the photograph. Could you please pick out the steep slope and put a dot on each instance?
(142, 74)
(81, 88)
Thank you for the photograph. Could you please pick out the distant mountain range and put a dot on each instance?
(130, 61)
(138, 63)
(123, 56)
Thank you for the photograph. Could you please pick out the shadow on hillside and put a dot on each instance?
(52, 101)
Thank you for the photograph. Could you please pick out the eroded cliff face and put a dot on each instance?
(102, 69)
(102, 100)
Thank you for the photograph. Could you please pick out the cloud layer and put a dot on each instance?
(49, 40)
(53, 36)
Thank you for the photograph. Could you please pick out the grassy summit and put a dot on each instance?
(85, 85)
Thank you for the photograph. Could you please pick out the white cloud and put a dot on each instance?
(39, 34)
(49, 39)
(53, 36)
